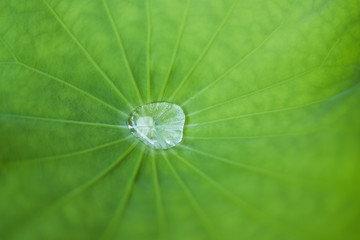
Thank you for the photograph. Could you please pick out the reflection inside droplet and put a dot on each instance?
(159, 125)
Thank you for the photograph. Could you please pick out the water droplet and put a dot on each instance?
(159, 125)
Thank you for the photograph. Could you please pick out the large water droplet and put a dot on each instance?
(159, 125)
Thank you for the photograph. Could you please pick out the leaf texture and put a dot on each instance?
(270, 91)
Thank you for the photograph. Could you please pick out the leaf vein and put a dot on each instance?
(206, 49)
(87, 54)
(65, 121)
(121, 45)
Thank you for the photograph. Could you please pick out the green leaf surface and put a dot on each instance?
(270, 89)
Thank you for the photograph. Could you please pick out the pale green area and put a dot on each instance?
(270, 89)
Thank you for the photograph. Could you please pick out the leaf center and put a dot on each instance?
(159, 125)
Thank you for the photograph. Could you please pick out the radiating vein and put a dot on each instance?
(216, 138)
(158, 198)
(272, 111)
(67, 155)
(99, 176)
(251, 115)
(87, 54)
(91, 96)
(262, 171)
(206, 49)
(148, 49)
(78, 190)
(251, 93)
(8, 63)
(331, 50)
(73, 87)
(65, 121)
(232, 68)
(2, 40)
(121, 45)
(198, 93)
(243, 205)
(195, 205)
(115, 221)
(177, 46)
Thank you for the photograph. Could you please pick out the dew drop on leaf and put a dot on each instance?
(159, 125)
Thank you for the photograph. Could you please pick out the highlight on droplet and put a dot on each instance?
(159, 125)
